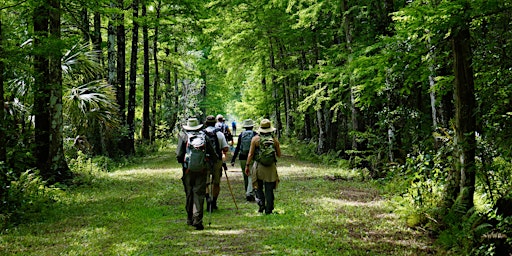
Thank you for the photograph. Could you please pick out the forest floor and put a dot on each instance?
(139, 210)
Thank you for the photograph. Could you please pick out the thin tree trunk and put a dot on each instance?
(59, 167)
(111, 77)
(320, 118)
(124, 143)
(156, 80)
(286, 94)
(275, 92)
(3, 138)
(85, 24)
(146, 123)
(97, 40)
(133, 80)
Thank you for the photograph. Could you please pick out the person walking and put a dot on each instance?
(242, 150)
(221, 148)
(224, 128)
(233, 126)
(265, 149)
(194, 169)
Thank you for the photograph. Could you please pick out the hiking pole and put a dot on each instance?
(229, 186)
(209, 198)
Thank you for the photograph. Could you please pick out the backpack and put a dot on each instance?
(245, 142)
(225, 130)
(211, 134)
(267, 151)
(195, 154)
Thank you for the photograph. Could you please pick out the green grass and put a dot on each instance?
(139, 210)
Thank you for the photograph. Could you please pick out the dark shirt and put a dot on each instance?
(237, 149)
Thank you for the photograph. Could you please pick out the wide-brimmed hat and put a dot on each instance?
(220, 118)
(248, 123)
(192, 124)
(210, 119)
(266, 126)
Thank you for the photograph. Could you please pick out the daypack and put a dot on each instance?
(195, 155)
(225, 130)
(267, 151)
(211, 134)
(245, 142)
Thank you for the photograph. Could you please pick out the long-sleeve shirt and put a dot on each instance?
(237, 149)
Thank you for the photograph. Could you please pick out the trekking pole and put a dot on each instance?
(229, 186)
(209, 198)
(210, 210)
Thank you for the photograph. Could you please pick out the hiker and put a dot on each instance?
(233, 126)
(242, 147)
(224, 128)
(194, 170)
(264, 150)
(221, 148)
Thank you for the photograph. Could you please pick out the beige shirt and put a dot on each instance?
(259, 171)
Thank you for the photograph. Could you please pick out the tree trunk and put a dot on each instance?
(286, 94)
(146, 123)
(59, 167)
(3, 113)
(42, 91)
(320, 118)
(275, 92)
(96, 39)
(133, 80)
(124, 143)
(85, 24)
(107, 145)
(465, 119)
(156, 81)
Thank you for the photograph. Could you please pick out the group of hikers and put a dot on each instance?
(203, 151)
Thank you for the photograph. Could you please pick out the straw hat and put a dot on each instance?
(266, 126)
(248, 123)
(192, 124)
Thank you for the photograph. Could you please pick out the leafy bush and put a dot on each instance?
(86, 170)
(23, 196)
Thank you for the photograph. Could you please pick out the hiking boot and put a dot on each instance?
(214, 204)
(198, 226)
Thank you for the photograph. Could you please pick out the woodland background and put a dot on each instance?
(415, 93)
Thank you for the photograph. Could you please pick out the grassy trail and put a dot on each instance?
(139, 210)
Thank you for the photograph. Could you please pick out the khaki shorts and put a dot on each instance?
(217, 173)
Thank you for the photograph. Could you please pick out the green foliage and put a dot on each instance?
(464, 230)
(85, 170)
(24, 197)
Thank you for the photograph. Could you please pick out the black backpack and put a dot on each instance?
(211, 134)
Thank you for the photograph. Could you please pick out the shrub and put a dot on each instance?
(23, 196)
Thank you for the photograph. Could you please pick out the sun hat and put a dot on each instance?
(192, 124)
(220, 118)
(266, 126)
(210, 119)
(248, 123)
